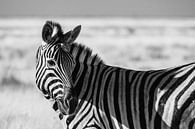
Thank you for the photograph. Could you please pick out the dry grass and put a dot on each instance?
(26, 109)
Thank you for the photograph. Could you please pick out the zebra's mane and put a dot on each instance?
(85, 54)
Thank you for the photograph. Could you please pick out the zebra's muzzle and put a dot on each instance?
(67, 105)
(72, 104)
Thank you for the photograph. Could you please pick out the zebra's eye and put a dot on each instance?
(51, 63)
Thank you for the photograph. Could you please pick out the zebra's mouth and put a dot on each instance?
(71, 104)
(70, 101)
(68, 105)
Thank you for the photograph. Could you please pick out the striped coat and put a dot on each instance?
(87, 93)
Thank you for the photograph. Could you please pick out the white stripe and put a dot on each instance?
(159, 95)
(63, 121)
(80, 114)
(47, 82)
(183, 71)
(43, 43)
(54, 85)
(115, 122)
(54, 31)
(170, 103)
(186, 95)
(56, 91)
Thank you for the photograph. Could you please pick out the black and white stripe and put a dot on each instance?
(116, 98)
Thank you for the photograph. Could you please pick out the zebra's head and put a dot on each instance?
(55, 65)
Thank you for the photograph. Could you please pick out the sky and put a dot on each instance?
(123, 8)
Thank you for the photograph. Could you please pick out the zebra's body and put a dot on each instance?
(123, 98)
(111, 97)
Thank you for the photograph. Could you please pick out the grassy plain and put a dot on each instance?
(131, 43)
(26, 109)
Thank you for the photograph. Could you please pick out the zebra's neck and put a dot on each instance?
(86, 64)
(83, 54)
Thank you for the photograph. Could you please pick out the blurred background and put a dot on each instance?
(135, 34)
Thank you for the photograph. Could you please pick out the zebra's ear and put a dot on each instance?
(66, 36)
(47, 32)
(51, 30)
(71, 36)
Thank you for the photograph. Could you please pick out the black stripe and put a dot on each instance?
(51, 83)
(128, 97)
(80, 84)
(103, 72)
(45, 91)
(157, 121)
(169, 92)
(49, 75)
(87, 113)
(186, 87)
(72, 48)
(80, 50)
(176, 121)
(93, 85)
(84, 108)
(116, 96)
(151, 75)
(86, 58)
(59, 92)
(128, 100)
(141, 101)
(135, 96)
(93, 75)
(154, 86)
(93, 124)
(107, 112)
(55, 88)
(173, 71)
(55, 106)
(40, 68)
(191, 124)
(75, 72)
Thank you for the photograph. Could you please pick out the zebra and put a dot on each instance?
(89, 94)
